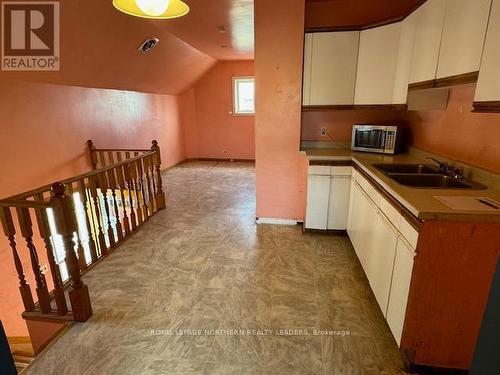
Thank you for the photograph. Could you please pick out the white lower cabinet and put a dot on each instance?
(318, 194)
(385, 245)
(383, 240)
(328, 191)
(401, 279)
(338, 206)
(380, 263)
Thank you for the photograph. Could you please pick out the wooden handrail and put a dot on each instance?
(123, 149)
(47, 188)
(24, 203)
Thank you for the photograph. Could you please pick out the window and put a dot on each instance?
(244, 96)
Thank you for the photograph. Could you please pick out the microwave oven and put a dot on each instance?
(375, 138)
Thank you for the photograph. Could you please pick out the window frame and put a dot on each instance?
(235, 96)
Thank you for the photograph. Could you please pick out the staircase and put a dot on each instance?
(22, 352)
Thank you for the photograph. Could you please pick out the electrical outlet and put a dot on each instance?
(225, 152)
(323, 131)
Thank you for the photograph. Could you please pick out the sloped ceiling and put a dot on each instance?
(99, 46)
(234, 41)
(346, 13)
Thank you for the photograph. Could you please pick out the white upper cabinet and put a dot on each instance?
(488, 85)
(464, 31)
(429, 20)
(405, 55)
(306, 86)
(377, 61)
(330, 68)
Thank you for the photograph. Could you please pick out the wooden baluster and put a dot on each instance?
(160, 195)
(151, 201)
(98, 214)
(89, 219)
(111, 158)
(140, 179)
(10, 233)
(92, 153)
(153, 182)
(42, 292)
(44, 229)
(133, 175)
(121, 182)
(82, 262)
(113, 186)
(103, 183)
(64, 212)
(128, 179)
(102, 158)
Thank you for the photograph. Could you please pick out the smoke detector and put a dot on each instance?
(148, 45)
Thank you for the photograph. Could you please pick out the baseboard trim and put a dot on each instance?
(276, 221)
(221, 160)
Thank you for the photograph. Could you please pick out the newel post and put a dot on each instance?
(92, 153)
(65, 218)
(160, 195)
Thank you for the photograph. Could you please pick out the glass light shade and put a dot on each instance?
(153, 7)
(156, 9)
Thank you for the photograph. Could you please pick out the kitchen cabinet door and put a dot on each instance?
(353, 220)
(366, 220)
(338, 207)
(428, 30)
(464, 32)
(405, 55)
(400, 287)
(306, 86)
(380, 262)
(334, 57)
(377, 60)
(488, 85)
(318, 192)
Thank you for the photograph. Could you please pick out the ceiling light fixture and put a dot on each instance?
(156, 9)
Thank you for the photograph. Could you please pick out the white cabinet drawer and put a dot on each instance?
(320, 170)
(341, 171)
(392, 214)
(408, 232)
(370, 190)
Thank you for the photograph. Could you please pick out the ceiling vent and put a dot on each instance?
(148, 45)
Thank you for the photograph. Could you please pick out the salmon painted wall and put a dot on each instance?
(339, 123)
(208, 123)
(281, 170)
(457, 133)
(43, 131)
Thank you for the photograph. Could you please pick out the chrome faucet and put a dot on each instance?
(449, 169)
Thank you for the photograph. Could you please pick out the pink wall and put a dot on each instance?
(42, 139)
(457, 133)
(339, 123)
(209, 126)
(280, 168)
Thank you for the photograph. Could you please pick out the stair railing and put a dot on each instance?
(79, 221)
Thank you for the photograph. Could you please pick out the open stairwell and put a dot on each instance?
(22, 352)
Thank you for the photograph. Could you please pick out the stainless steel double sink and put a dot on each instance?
(425, 176)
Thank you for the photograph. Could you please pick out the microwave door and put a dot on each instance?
(370, 139)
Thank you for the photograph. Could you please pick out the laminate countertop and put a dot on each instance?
(421, 202)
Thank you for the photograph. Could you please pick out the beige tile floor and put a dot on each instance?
(203, 264)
